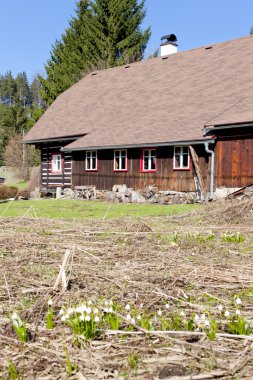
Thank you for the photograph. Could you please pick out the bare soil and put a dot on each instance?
(145, 261)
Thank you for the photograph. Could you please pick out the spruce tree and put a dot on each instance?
(104, 33)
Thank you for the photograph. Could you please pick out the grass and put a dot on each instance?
(20, 185)
(72, 209)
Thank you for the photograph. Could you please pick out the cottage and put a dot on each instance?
(182, 121)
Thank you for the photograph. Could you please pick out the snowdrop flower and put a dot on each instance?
(138, 317)
(15, 316)
(87, 318)
(82, 317)
(106, 303)
(141, 305)
(238, 301)
(196, 318)
(133, 321)
(127, 307)
(128, 317)
(61, 312)
(207, 323)
(89, 302)
(95, 311)
(106, 310)
(110, 310)
(203, 317)
(70, 311)
(237, 312)
(167, 306)
(50, 302)
(88, 310)
(182, 314)
(63, 318)
(226, 313)
(110, 303)
(96, 319)
(220, 307)
(159, 313)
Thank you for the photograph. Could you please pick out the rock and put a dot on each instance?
(137, 197)
(111, 196)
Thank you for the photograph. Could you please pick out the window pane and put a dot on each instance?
(116, 163)
(145, 161)
(123, 163)
(177, 161)
(185, 160)
(153, 159)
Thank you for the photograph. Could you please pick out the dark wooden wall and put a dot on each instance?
(165, 178)
(234, 158)
(49, 179)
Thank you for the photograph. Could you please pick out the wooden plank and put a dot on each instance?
(199, 181)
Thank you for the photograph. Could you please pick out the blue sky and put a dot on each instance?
(28, 28)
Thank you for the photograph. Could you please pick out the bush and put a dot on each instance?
(8, 192)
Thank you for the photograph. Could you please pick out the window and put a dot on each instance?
(91, 160)
(56, 163)
(120, 160)
(148, 160)
(181, 158)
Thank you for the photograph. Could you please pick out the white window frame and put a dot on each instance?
(181, 155)
(120, 154)
(150, 157)
(56, 163)
(89, 157)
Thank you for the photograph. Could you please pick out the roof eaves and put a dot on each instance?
(144, 145)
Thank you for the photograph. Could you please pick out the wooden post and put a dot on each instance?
(199, 178)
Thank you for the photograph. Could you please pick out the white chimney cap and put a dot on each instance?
(168, 45)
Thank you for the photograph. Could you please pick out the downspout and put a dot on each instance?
(212, 168)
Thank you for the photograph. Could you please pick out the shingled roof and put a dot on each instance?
(160, 100)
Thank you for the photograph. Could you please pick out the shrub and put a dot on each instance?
(8, 192)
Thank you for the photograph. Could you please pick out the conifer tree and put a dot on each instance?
(104, 33)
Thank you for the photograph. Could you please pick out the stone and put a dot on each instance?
(137, 197)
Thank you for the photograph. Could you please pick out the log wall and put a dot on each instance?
(164, 178)
(234, 158)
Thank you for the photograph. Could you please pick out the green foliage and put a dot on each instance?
(232, 237)
(133, 360)
(239, 326)
(71, 369)
(12, 372)
(104, 33)
(20, 327)
(213, 329)
(50, 319)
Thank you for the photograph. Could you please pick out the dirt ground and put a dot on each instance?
(184, 261)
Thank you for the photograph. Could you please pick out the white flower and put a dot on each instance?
(79, 309)
(82, 317)
(89, 302)
(61, 312)
(226, 313)
(141, 305)
(139, 317)
(128, 317)
(127, 307)
(95, 311)
(87, 318)
(88, 310)
(106, 303)
(50, 302)
(220, 307)
(110, 303)
(159, 313)
(63, 318)
(196, 318)
(70, 311)
(203, 317)
(133, 321)
(110, 310)
(167, 305)
(237, 312)
(16, 320)
(82, 336)
(96, 319)
(106, 310)
(207, 323)
(238, 301)
(182, 314)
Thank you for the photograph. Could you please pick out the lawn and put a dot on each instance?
(72, 209)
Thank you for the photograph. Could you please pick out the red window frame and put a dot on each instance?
(181, 154)
(91, 170)
(52, 165)
(142, 161)
(114, 160)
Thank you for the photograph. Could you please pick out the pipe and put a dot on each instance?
(212, 168)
